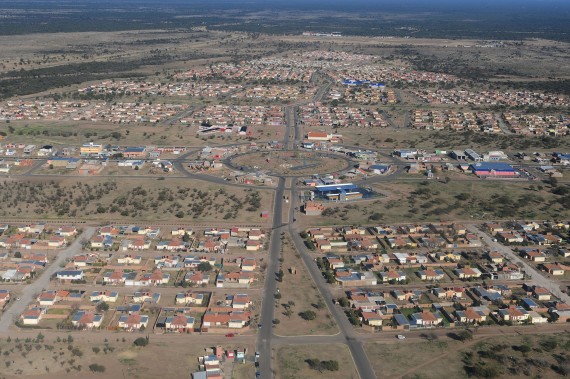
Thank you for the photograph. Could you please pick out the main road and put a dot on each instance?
(270, 288)
(347, 333)
(30, 291)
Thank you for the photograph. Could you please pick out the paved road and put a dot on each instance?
(268, 305)
(30, 291)
(504, 127)
(537, 277)
(347, 332)
(264, 340)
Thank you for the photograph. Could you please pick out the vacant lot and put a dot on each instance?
(456, 200)
(492, 357)
(55, 355)
(62, 134)
(291, 362)
(299, 294)
(145, 199)
(448, 140)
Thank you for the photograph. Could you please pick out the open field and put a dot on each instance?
(456, 200)
(491, 357)
(299, 294)
(291, 361)
(65, 134)
(388, 138)
(145, 199)
(53, 357)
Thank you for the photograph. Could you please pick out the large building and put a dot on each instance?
(496, 169)
(339, 192)
(90, 149)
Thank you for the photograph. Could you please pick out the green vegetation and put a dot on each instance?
(94, 367)
(321, 366)
(141, 341)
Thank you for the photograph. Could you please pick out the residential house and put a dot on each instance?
(4, 298)
(146, 297)
(69, 275)
(372, 318)
(473, 315)
(514, 314)
(248, 264)
(116, 277)
(430, 274)
(133, 321)
(196, 278)
(180, 323)
(541, 293)
(392, 275)
(426, 319)
(349, 277)
(231, 320)
(33, 316)
(190, 298)
(467, 273)
(533, 255)
(106, 296)
(86, 320)
(555, 268)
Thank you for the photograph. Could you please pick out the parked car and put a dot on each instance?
(229, 335)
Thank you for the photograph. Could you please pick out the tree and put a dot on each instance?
(375, 216)
(315, 364)
(465, 335)
(205, 267)
(343, 301)
(308, 315)
(94, 367)
(553, 181)
(186, 237)
(141, 341)
(102, 307)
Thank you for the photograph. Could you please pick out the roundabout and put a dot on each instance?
(289, 163)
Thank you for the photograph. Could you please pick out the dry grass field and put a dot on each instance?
(167, 355)
(529, 356)
(74, 134)
(291, 362)
(457, 200)
(143, 199)
(405, 138)
(298, 294)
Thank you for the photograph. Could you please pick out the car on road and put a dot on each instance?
(400, 336)
(258, 374)
(230, 335)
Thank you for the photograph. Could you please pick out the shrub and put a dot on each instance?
(141, 341)
(94, 367)
(102, 307)
(308, 315)
(321, 366)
